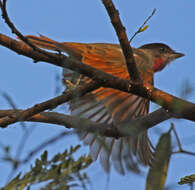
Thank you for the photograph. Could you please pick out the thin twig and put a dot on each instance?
(184, 152)
(176, 136)
(26, 132)
(17, 32)
(142, 26)
(37, 150)
(45, 144)
(181, 150)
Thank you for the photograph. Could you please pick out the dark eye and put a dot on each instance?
(162, 50)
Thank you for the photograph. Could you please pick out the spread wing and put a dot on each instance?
(106, 105)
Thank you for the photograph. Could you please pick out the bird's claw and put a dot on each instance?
(71, 85)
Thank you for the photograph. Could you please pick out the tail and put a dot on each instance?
(73, 49)
(43, 42)
(106, 105)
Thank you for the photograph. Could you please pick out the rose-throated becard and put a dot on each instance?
(106, 105)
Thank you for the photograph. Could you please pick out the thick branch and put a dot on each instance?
(50, 104)
(128, 128)
(179, 107)
(123, 39)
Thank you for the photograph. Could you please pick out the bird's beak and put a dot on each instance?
(177, 55)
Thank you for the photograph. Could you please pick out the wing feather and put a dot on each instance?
(107, 105)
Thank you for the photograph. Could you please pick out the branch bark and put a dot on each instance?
(50, 104)
(123, 39)
(128, 127)
(178, 107)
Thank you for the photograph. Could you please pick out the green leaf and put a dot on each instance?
(62, 172)
(143, 28)
(158, 172)
(44, 157)
(187, 179)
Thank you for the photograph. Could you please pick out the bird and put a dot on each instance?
(112, 106)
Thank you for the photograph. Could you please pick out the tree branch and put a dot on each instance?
(128, 127)
(180, 108)
(123, 39)
(50, 104)
(15, 31)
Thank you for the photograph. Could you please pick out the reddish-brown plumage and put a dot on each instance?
(158, 64)
(107, 105)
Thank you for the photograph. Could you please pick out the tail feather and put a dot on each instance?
(105, 153)
(73, 49)
(117, 156)
(121, 152)
(95, 150)
(43, 42)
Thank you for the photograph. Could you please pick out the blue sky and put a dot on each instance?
(87, 21)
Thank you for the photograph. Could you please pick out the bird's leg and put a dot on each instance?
(73, 84)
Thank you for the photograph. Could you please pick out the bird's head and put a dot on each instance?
(162, 54)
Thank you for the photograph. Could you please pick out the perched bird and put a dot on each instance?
(106, 105)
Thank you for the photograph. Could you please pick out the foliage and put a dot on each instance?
(187, 179)
(61, 172)
(158, 171)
